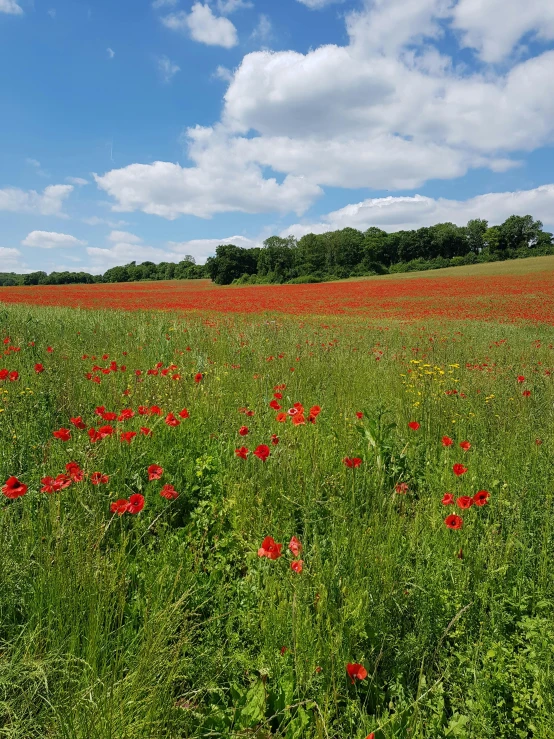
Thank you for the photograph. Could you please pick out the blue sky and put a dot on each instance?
(150, 130)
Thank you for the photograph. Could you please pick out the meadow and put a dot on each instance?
(312, 511)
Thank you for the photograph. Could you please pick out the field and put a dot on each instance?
(314, 511)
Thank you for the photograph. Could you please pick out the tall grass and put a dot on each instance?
(168, 624)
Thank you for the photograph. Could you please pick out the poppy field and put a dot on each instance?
(248, 524)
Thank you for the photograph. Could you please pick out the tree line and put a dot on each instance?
(347, 252)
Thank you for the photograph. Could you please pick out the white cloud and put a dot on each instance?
(111, 53)
(52, 13)
(124, 236)
(96, 221)
(203, 26)
(317, 4)
(167, 68)
(263, 30)
(10, 7)
(51, 240)
(47, 203)
(226, 7)
(169, 190)
(36, 165)
(201, 249)
(123, 253)
(76, 180)
(222, 73)
(494, 27)
(403, 213)
(164, 3)
(10, 260)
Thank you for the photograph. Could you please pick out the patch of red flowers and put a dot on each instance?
(356, 671)
(270, 548)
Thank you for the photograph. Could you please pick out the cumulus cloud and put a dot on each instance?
(263, 29)
(222, 73)
(124, 236)
(410, 212)
(47, 203)
(226, 7)
(203, 26)
(166, 68)
(97, 221)
(76, 180)
(51, 240)
(10, 7)
(201, 249)
(11, 260)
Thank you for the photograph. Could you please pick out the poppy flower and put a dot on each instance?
(39, 368)
(78, 422)
(283, 650)
(270, 548)
(198, 377)
(13, 488)
(526, 393)
(356, 671)
(143, 410)
(99, 410)
(75, 472)
(274, 439)
(155, 410)
(104, 431)
(125, 414)
(53, 484)
(359, 414)
(145, 431)
(459, 469)
(127, 436)
(448, 499)
(243, 431)
(242, 453)
(279, 396)
(262, 452)
(481, 498)
(94, 436)
(464, 502)
(465, 445)
(295, 546)
(371, 736)
(402, 488)
(446, 441)
(296, 565)
(97, 478)
(155, 472)
(453, 521)
(299, 420)
(292, 411)
(136, 503)
(171, 420)
(315, 410)
(184, 413)
(62, 434)
(414, 425)
(119, 506)
(13, 376)
(281, 417)
(110, 416)
(520, 378)
(275, 405)
(169, 492)
(352, 462)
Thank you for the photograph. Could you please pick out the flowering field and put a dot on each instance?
(276, 526)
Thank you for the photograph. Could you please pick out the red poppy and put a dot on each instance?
(481, 498)
(359, 414)
(270, 548)
(296, 565)
(109, 416)
(99, 410)
(402, 488)
(243, 431)
(75, 472)
(447, 441)
(298, 420)
(127, 436)
(155, 410)
(526, 393)
(279, 396)
(53, 484)
(94, 436)
(448, 499)
(275, 405)
(464, 502)
(356, 671)
(125, 414)
(169, 492)
(414, 425)
(145, 431)
(283, 650)
(538, 442)
(459, 469)
(274, 439)
(295, 546)
(104, 431)
(465, 445)
(136, 503)
(281, 417)
(97, 478)
(13, 376)
(155, 472)
(453, 521)
(39, 368)
(242, 453)
(78, 422)
(119, 506)
(371, 736)
(520, 378)
(143, 410)
(184, 413)
(198, 377)
(13, 488)
(262, 452)
(352, 461)
(171, 420)
(62, 434)
(292, 411)
(315, 410)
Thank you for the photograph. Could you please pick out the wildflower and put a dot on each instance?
(145, 431)
(155, 472)
(295, 546)
(125, 414)
(520, 379)
(171, 420)
(184, 413)
(414, 425)
(402, 488)
(62, 434)
(481, 498)
(526, 393)
(270, 548)
(453, 521)
(75, 472)
(243, 431)
(143, 410)
(275, 405)
(155, 410)
(315, 410)
(352, 462)
(13, 488)
(136, 503)
(274, 439)
(119, 506)
(283, 650)
(169, 492)
(464, 502)
(296, 565)
(447, 441)
(78, 422)
(459, 469)
(97, 478)
(465, 445)
(262, 452)
(448, 499)
(39, 368)
(298, 420)
(53, 484)
(281, 417)
(356, 671)
(104, 431)
(198, 377)
(127, 436)
(242, 453)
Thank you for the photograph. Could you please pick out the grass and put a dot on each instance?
(168, 624)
